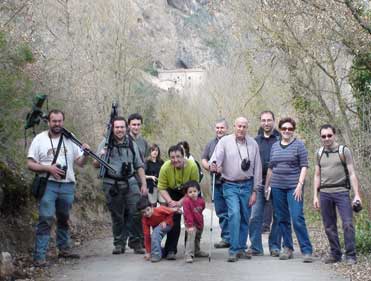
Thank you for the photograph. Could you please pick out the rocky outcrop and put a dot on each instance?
(183, 33)
(187, 6)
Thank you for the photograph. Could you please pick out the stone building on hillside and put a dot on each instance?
(180, 80)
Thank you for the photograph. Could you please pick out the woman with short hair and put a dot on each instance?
(285, 177)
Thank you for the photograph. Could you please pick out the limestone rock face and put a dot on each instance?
(6, 265)
(184, 33)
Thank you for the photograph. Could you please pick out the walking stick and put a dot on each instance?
(212, 214)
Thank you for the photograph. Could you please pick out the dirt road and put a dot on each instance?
(97, 264)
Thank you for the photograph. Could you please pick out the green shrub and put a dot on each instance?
(363, 233)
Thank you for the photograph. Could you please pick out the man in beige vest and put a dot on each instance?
(334, 176)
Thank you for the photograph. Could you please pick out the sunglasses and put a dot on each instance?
(290, 129)
(326, 136)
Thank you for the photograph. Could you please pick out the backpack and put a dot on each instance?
(340, 151)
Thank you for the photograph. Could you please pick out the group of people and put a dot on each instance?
(147, 197)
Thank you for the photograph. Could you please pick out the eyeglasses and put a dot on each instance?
(326, 136)
(290, 129)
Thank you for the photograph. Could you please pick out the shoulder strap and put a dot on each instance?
(319, 155)
(341, 153)
(344, 163)
(131, 147)
(56, 153)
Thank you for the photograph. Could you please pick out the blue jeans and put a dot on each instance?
(237, 197)
(57, 200)
(156, 237)
(221, 211)
(329, 202)
(255, 226)
(286, 208)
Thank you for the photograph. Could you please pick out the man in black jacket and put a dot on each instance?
(267, 136)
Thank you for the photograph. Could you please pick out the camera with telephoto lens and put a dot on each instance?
(357, 206)
(64, 168)
(245, 164)
(125, 169)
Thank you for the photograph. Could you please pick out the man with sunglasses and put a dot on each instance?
(332, 180)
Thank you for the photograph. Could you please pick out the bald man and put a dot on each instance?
(238, 160)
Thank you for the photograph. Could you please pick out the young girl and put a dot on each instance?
(153, 166)
(193, 205)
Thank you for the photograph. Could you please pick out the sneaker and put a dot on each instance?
(244, 255)
(155, 258)
(254, 253)
(286, 254)
(221, 244)
(188, 259)
(331, 259)
(351, 261)
(117, 250)
(67, 254)
(171, 256)
(307, 258)
(201, 254)
(232, 258)
(275, 253)
(40, 263)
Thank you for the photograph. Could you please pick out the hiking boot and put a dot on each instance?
(351, 261)
(254, 253)
(244, 255)
(307, 258)
(138, 250)
(275, 253)
(201, 254)
(286, 254)
(40, 263)
(232, 258)
(155, 258)
(331, 259)
(171, 256)
(188, 259)
(221, 244)
(67, 254)
(117, 250)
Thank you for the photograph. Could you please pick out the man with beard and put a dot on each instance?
(221, 210)
(59, 194)
(121, 188)
(238, 160)
(173, 174)
(266, 137)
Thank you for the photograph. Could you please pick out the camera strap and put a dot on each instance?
(57, 152)
(247, 150)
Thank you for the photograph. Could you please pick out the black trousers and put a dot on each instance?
(172, 238)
